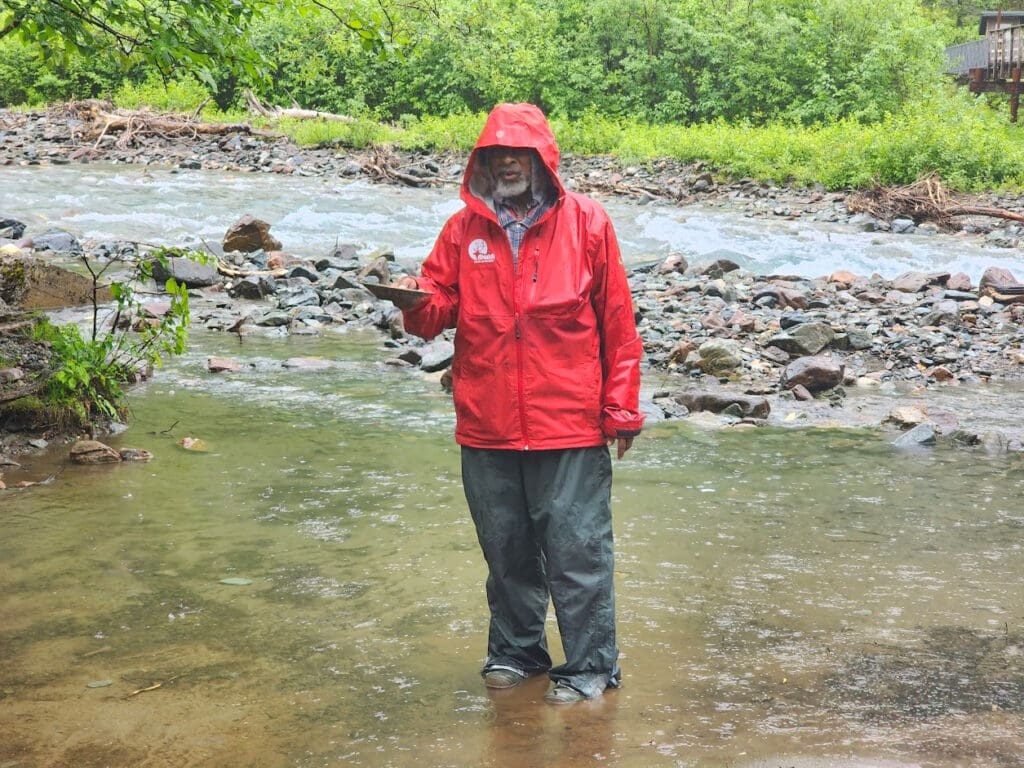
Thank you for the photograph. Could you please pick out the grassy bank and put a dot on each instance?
(969, 143)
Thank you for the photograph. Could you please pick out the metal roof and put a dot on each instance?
(1009, 16)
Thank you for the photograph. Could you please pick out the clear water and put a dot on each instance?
(797, 598)
(310, 215)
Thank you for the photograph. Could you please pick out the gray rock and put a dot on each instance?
(922, 434)
(903, 226)
(253, 287)
(275, 318)
(184, 270)
(946, 312)
(301, 270)
(11, 228)
(303, 297)
(56, 240)
(804, 339)
(867, 223)
(436, 356)
(912, 282)
(719, 356)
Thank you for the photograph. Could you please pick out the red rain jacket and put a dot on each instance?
(546, 353)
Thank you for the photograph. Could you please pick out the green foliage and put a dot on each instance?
(86, 385)
(91, 371)
(26, 79)
(183, 94)
(843, 92)
(948, 132)
(359, 133)
(168, 36)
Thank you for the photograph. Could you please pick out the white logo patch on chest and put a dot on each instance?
(480, 252)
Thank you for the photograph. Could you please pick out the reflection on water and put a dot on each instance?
(811, 595)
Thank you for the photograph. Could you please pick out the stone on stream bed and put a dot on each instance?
(90, 452)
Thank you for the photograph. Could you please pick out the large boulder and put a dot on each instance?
(192, 274)
(248, 235)
(57, 241)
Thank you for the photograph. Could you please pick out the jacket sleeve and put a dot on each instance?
(439, 274)
(621, 348)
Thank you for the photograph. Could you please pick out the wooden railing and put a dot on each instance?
(962, 58)
(1005, 51)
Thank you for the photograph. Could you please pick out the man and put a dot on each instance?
(545, 376)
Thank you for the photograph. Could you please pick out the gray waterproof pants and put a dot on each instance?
(543, 519)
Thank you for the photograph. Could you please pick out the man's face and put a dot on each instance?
(510, 168)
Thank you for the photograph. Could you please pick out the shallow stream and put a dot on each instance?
(309, 592)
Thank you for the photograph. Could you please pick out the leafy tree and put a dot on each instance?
(168, 35)
(202, 37)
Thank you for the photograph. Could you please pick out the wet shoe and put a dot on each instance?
(561, 693)
(503, 678)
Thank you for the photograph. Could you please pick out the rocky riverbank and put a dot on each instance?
(723, 346)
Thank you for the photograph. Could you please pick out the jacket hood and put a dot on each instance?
(512, 125)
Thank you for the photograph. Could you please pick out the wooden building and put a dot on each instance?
(993, 63)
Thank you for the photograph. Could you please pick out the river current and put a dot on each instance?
(308, 590)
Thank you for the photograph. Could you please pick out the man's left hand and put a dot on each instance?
(624, 444)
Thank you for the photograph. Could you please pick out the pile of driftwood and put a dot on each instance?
(924, 200)
(384, 165)
(103, 118)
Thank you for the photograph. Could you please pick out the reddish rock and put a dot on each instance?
(959, 282)
(843, 279)
(800, 392)
(1001, 285)
(93, 452)
(250, 234)
(222, 365)
(674, 262)
(940, 373)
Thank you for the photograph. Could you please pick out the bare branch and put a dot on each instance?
(344, 22)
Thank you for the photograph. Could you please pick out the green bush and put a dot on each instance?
(91, 371)
(183, 94)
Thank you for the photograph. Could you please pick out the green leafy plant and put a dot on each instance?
(119, 347)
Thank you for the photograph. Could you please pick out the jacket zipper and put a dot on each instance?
(520, 385)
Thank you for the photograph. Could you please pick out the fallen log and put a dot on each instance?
(295, 111)
(229, 271)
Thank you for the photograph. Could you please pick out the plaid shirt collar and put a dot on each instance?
(515, 227)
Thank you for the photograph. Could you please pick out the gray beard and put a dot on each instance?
(504, 190)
